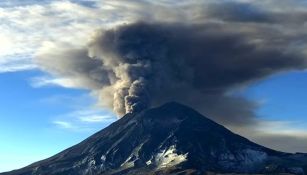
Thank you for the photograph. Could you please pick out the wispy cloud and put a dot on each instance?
(63, 124)
(280, 135)
(94, 116)
(26, 25)
(43, 81)
(84, 120)
(16, 67)
(282, 128)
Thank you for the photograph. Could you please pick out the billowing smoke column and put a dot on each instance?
(141, 64)
(147, 63)
(199, 53)
(137, 65)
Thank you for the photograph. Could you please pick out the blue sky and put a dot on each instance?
(42, 113)
(282, 96)
(39, 122)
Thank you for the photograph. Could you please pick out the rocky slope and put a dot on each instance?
(170, 139)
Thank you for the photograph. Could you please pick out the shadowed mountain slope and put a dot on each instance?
(170, 139)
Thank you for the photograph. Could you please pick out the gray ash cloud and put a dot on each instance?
(199, 62)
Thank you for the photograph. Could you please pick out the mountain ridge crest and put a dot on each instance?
(169, 139)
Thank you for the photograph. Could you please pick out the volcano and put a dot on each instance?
(170, 139)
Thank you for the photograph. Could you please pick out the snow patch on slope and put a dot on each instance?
(169, 157)
(133, 157)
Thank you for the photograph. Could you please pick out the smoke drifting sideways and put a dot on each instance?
(142, 64)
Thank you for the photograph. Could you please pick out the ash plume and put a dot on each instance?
(199, 63)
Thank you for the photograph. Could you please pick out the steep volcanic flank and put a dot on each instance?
(170, 139)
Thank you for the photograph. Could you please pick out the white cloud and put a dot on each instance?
(95, 118)
(13, 67)
(5, 44)
(279, 135)
(87, 119)
(25, 27)
(64, 124)
(49, 81)
(282, 128)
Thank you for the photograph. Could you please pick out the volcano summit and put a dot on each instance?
(170, 139)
